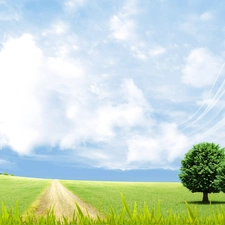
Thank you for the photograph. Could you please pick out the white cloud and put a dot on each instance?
(9, 12)
(100, 122)
(159, 148)
(65, 88)
(201, 68)
(195, 25)
(133, 94)
(20, 60)
(139, 51)
(206, 16)
(122, 25)
(57, 28)
(157, 51)
(123, 116)
(47, 101)
(143, 149)
(31, 88)
(73, 4)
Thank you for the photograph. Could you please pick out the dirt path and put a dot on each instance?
(63, 201)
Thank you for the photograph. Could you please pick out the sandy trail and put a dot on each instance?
(63, 201)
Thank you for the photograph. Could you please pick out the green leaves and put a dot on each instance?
(200, 168)
(220, 178)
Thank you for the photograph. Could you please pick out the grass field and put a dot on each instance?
(23, 190)
(171, 195)
(102, 195)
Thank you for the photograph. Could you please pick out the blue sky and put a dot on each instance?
(109, 90)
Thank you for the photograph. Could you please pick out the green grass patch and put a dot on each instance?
(172, 196)
(127, 216)
(23, 190)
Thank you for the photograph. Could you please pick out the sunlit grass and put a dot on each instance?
(126, 216)
(24, 190)
(142, 205)
(171, 195)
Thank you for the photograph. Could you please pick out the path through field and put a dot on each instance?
(63, 201)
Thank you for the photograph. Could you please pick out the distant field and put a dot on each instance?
(25, 190)
(171, 196)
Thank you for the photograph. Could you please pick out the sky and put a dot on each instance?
(109, 89)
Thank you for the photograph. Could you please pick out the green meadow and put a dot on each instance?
(172, 196)
(117, 208)
(23, 190)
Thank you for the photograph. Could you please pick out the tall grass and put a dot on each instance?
(126, 216)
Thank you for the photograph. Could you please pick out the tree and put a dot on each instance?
(220, 178)
(200, 168)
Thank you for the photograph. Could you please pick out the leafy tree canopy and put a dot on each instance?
(220, 178)
(200, 166)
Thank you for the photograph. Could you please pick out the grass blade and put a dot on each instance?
(126, 206)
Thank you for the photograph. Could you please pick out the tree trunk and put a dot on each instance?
(205, 197)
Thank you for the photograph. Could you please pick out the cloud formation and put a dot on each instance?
(119, 85)
(201, 68)
(50, 101)
(32, 86)
(122, 25)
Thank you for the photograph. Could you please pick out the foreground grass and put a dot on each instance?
(126, 216)
(141, 205)
(23, 190)
(171, 195)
